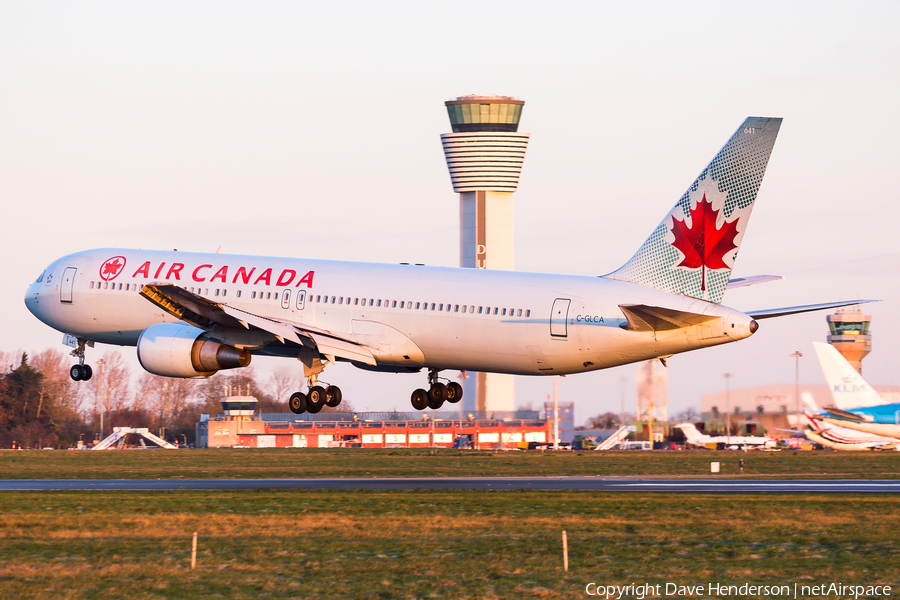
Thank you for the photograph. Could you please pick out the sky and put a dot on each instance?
(313, 130)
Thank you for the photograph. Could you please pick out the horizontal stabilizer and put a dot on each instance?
(842, 414)
(656, 318)
(738, 282)
(793, 310)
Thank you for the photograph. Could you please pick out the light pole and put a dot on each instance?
(555, 415)
(100, 362)
(728, 377)
(796, 356)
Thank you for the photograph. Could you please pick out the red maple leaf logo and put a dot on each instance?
(702, 244)
(112, 267)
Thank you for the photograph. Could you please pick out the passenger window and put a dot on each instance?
(105, 285)
(402, 304)
(456, 308)
(217, 291)
(356, 302)
(269, 296)
(432, 306)
(239, 293)
(527, 313)
(318, 298)
(341, 300)
(394, 305)
(409, 305)
(386, 302)
(504, 312)
(495, 310)
(472, 309)
(479, 310)
(519, 313)
(418, 305)
(206, 292)
(371, 302)
(332, 299)
(363, 301)
(224, 293)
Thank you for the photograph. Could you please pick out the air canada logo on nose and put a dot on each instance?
(110, 269)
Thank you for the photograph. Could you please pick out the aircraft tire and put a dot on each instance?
(315, 399)
(419, 399)
(333, 396)
(436, 395)
(297, 403)
(86, 372)
(76, 372)
(454, 392)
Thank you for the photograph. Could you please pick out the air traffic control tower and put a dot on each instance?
(485, 154)
(848, 332)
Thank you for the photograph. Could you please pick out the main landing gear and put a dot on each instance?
(437, 393)
(81, 371)
(317, 397)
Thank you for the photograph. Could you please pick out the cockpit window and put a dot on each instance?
(41, 278)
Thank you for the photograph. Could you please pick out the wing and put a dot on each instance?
(769, 313)
(206, 314)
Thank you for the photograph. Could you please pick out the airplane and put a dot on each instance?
(856, 403)
(193, 314)
(695, 438)
(841, 438)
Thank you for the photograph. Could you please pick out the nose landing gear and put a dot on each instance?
(437, 393)
(81, 371)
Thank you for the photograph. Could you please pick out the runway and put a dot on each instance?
(588, 484)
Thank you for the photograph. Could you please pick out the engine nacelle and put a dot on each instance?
(179, 350)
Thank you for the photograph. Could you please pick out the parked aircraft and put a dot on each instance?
(856, 403)
(695, 438)
(192, 314)
(842, 438)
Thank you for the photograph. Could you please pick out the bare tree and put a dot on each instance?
(688, 414)
(166, 398)
(110, 382)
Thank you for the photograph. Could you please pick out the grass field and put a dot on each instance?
(431, 544)
(290, 463)
(315, 544)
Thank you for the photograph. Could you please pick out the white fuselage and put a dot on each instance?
(413, 315)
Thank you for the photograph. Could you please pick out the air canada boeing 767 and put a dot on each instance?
(192, 314)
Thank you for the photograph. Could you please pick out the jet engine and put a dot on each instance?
(180, 350)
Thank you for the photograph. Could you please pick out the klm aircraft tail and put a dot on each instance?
(693, 250)
(848, 388)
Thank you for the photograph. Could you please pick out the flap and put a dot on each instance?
(642, 317)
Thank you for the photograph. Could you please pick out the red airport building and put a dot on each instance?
(241, 426)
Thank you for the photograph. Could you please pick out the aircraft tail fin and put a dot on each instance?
(692, 251)
(808, 400)
(691, 433)
(848, 388)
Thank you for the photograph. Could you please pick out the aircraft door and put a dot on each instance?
(286, 299)
(65, 287)
(301, 300)
(559, 318)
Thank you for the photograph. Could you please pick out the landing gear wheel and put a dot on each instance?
(333, 396)
(315, 399)
(436, 395)
(454, 392)
(297, 403)
(76, 372)
(419, 399)
(86, 372)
